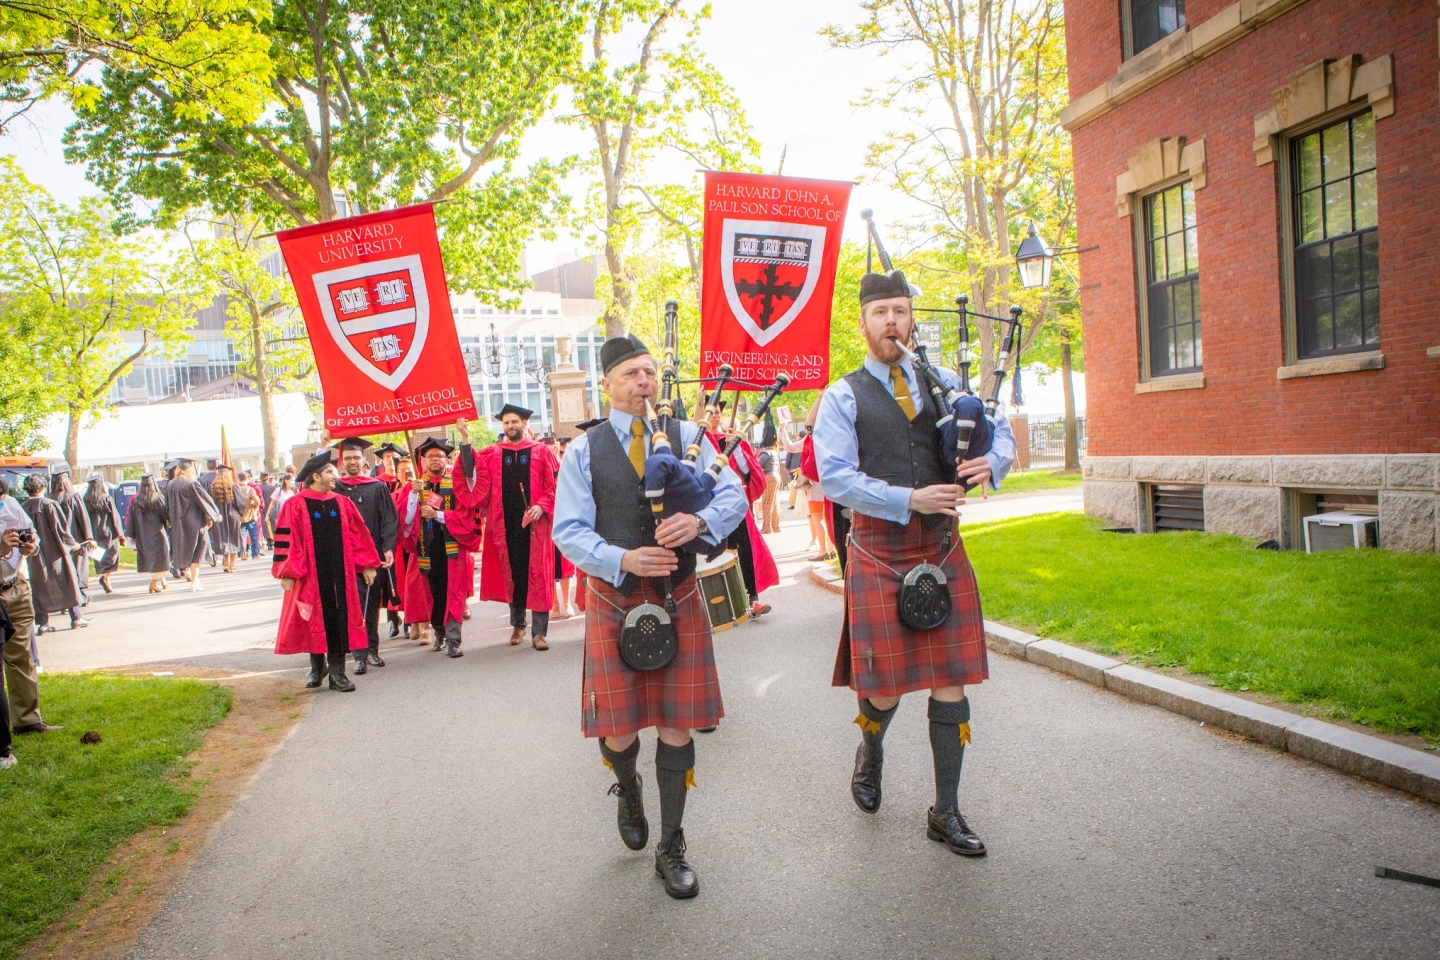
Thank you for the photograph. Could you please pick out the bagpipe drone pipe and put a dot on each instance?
(674, 485)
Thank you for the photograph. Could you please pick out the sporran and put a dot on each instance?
(648, 640)
(924, 597)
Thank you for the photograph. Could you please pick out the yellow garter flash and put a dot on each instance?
(608, 764)
(964, 733)
(690, 778)
(866, 724)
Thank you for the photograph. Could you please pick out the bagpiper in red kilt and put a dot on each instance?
(616, 700)
(879, 655)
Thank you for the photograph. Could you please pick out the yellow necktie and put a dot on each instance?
(637, 446)
(902, 392)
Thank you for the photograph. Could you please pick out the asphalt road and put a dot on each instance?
(451, 808)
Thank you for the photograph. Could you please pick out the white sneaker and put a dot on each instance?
(7, 762)
(196, 586)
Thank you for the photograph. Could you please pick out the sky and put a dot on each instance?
(798, 94)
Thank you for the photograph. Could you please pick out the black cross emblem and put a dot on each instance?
(766, 291)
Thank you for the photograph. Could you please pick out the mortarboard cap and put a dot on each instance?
(390, 446)
(435, 443)
(352, 443)
(618, 350)
(582, 427)
(520, 412)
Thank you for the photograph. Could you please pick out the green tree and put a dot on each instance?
(210, 52)
(635, 105)
(77, 286)
(271, 345)
(981, 86)
(369, 104)
(24, 404)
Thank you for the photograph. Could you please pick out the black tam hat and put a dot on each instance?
(314, 465)
(520, 412)
(435, 443)
(618, 350)
(353, 443)
(880, 286)
(582, 427)
(390, 446)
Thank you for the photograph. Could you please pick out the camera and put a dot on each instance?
(26, 536)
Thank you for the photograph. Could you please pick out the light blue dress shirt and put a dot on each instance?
(574, 530)
(837, 449)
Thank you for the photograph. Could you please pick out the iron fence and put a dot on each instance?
(1047, 441)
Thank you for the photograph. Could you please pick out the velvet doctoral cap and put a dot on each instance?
(435, 443)
(353, 443)
(880, 286)
(519, 411)
(314, 465)
(582, 427)
(617, 350)
(390, 446)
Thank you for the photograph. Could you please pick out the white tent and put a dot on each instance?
(152, 434)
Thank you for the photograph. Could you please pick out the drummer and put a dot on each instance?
(604, 525)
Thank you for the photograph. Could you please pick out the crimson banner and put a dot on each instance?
(373, 294)
(771, 245)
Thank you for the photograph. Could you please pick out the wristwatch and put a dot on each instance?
(701, 527)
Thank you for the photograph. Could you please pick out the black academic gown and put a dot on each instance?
(54, 582)
(377, 508)
(147, 531)
(106, 529)
(77, 522)
(190, 509)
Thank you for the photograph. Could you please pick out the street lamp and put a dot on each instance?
(1033, 260)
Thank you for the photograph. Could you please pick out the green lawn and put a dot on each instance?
(1355, 633)
(66, 806)
(1031, 481)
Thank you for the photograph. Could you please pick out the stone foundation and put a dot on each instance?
(1253, 496)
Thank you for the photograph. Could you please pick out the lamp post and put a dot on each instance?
(1033, 261)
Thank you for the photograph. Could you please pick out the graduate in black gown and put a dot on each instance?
(371, 496)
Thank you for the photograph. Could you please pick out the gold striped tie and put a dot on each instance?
(637, 446)
(902, 392)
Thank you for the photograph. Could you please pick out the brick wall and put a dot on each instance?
(1243, 408)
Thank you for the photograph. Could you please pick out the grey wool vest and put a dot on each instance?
(901, 452)
(623, 516)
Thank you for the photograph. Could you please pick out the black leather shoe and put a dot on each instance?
(865, 781)
(630, 814)
(374, 660)
(360, 669)
(317, 672)
(437, 641)
(453, 650)
(949, 828)
(338, 681)
(680, 881)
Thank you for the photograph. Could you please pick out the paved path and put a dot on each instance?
(452, 809)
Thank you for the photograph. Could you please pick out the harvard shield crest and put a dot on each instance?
(378, 314)
(769, 270)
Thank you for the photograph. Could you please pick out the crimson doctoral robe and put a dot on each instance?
(767, 574)
(460, 525)
(485, 494)
(302, 627)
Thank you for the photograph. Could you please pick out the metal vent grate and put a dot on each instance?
(1177, 507)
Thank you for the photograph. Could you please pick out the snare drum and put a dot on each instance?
(723, 588)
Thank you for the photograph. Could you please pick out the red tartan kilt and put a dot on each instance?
(616, 700)
(879, 655)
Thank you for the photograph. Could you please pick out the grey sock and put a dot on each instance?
(948, 749)
(873, 722)
(621, 761)
(674, 768)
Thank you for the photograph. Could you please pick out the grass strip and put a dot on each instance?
(1353, 634)
(67, 805)
(1032, 481)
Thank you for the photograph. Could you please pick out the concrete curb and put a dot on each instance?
(1348, 751)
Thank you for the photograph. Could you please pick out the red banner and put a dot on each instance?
(372, 291)
(771, 245)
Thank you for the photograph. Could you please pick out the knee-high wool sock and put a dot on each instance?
(621, 761)
(674, 774)
(949, 732)
(873, 722)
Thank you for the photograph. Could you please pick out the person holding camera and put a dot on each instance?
(17, 541)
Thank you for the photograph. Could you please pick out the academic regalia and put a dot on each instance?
(227, 536)
(765, 573)
(190, 510)
(106, 530)
(435, 543)
(372, 501)
(77, 524)
(54, 579)
(406, 571)
(147, 531)
(322, 544)
(509, 478)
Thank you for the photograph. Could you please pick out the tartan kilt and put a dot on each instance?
(879, 655)
(616, 700)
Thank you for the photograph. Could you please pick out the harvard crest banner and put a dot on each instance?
(771, 245)
(372, 291)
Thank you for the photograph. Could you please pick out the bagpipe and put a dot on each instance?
(966, 424)
(677, 485)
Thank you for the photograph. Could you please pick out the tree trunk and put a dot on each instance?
(72, 439)
(617, 315)
(1072, 433)
(264, 388)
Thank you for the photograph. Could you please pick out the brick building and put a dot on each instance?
(1258, 191)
